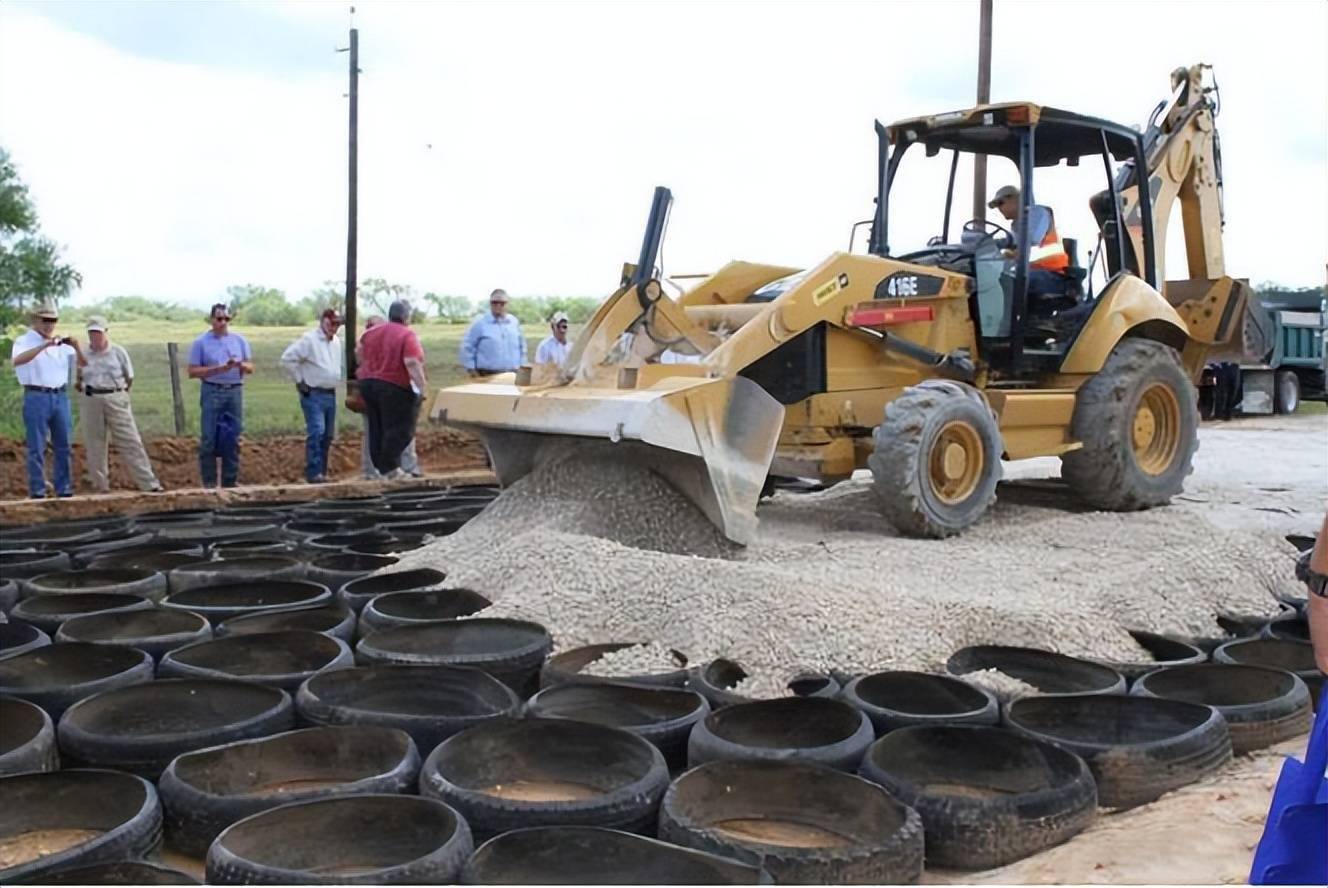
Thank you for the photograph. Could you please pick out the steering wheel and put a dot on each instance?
(981, 226)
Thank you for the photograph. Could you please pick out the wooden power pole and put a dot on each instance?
(984, 96)
(351, 203)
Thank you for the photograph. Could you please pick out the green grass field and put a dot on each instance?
(271, 405)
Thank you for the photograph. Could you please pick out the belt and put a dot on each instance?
(43, 388)
(89, 390)
(483, 372)
(225, 385)
(322, 391)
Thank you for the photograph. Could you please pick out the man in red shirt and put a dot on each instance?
(392, 383)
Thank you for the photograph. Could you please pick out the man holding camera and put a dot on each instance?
(314, 362)
(105, 377)
(220, 359)
(41, 363)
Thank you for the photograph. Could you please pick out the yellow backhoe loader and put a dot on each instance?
(928, 366)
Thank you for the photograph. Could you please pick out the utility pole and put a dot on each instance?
(351, 203)
(984, 96)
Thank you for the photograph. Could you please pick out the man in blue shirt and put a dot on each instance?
(220, 359)
(494, 343)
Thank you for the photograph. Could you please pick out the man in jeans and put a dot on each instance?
(104, 380)
(314, 362)
(391, 371)
(220, 359)
(41, 363)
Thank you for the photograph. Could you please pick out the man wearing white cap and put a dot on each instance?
(108, 418)
(553, 350)
(41, 362)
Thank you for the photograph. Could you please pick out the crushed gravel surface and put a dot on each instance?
(599, 550)
(640, 659)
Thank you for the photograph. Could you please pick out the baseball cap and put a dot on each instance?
(1001, 194)
(559, 317)
(97, 324)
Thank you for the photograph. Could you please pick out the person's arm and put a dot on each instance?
(1317, 611)
(521, 347)
(80, 358)
(126, 365)
(199, 370)
(292, 357)
(20, 358)
(1039, 222)
(246, 362)
(414, 361)
(469, 343)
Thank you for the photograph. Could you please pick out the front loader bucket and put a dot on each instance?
(712, 439)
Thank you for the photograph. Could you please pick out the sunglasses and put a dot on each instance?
(219, 318)
(562, 326)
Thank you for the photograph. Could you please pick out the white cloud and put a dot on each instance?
(549, 124)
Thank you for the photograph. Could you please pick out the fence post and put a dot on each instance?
(173, 355)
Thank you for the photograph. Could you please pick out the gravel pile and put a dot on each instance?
(640, 659)
(1005, 687)
(763, 686)
(600, 551)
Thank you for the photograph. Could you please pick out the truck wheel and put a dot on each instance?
(1138, 423)
(937, 459)
(1286, 392)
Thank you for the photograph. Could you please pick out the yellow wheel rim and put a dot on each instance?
(956, 462)
(1155, 432)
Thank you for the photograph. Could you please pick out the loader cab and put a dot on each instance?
(1025, 319)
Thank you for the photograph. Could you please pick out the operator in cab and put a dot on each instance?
(1047, 260)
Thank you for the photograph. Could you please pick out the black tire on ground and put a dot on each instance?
(898, 699)
(1049, 672)
(332, 619)
(987, 796)
(510, 774)
(277, 659)
(1290, 625)
(122, 872)
(357, 593)
(715, 681)
(804, 824)
(17, 637)
(1261, 706)
(236, 571)
(431, 703)
(1165, 652)
(512, 651)
(408, 608)
(141, 728)
(570, 665)
(1138, 421)
(27, 738)
(20, 566)
(115, 580)
(664, 716)
(336, 570)
(155, 631)
(48, 612)
(206, 791)
(220, 603)
(58, 676)
(937, 459)
(592, 855)
(119, 813)
(355, 840)
(1137, 747)
(1286, 392)
(805, 729)
(1276, 653)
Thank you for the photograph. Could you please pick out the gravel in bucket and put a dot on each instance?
(592, 855)
(277, 659)
(332, 619)
(409, 608)
(221, 602)
(142, 727)
(206, 791)
(510, 650)
(803, 823)
(57, 820)
(508, 774)
(152, 630)
(57, 676)
(1261, 706)
(48, 612)
(899, 699)
(1137, 747)
(1046, 672)
(356, 840)
(987, 796)
(431, 703)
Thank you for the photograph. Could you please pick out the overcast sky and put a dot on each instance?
(178, 148)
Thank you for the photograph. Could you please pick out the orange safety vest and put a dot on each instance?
(1050, 254)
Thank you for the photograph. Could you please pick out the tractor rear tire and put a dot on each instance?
(937, 459)
(1138, 420)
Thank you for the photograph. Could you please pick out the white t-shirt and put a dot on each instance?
(50, 369)
(551, 351)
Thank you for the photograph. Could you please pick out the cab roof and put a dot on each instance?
(997, 129)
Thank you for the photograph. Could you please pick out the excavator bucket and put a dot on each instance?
(712, 439)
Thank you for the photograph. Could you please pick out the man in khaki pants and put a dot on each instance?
(105, 378)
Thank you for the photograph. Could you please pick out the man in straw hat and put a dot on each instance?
(41, 363)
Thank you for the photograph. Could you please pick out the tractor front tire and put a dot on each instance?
(937, 459)
(1138, 420)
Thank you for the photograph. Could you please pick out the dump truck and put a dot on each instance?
(1276, 369)
(928, 365)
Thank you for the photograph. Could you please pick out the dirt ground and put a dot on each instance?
(268, 460)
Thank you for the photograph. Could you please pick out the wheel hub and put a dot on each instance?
(956, 463)
(1156, 429)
